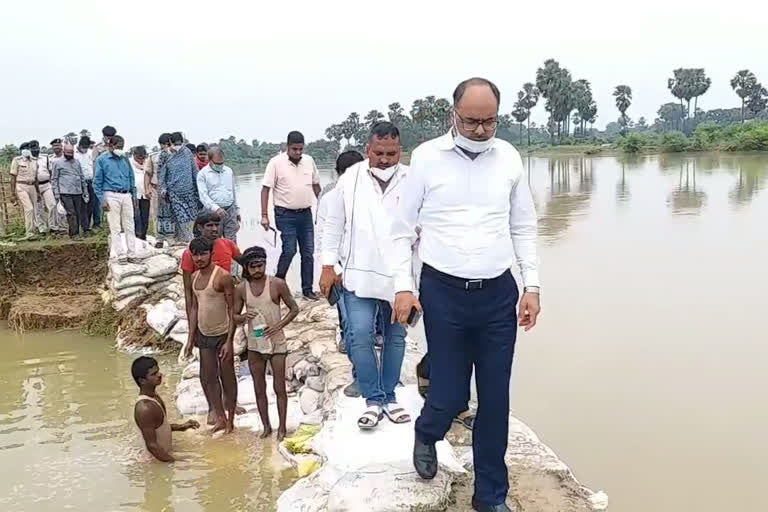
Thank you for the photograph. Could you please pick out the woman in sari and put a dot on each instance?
(177, 178)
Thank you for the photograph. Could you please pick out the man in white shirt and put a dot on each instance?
(216, 187)
(84, 156)
(356, 233)
(141, 199)
(467, 191)
(344, 161)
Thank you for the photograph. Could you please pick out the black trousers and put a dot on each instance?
(74, 205)
(141, 218)
(470, 323)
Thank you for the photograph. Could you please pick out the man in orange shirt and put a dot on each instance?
(224, 252)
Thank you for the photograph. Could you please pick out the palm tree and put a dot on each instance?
(623, 95)
(679, 86)
(758, 99)
(528, 102)
(743, 83)
(700, 84)
(520, 113)
(548, 80)
(373, 117)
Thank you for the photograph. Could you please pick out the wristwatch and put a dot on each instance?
(531, 289)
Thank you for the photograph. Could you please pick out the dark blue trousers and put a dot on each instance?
(465, 328)
(296, 226)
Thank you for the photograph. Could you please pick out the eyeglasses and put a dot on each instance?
(471, 124)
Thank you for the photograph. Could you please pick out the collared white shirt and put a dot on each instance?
(216, 189)
(86, 163)
(138, 178)
(357, 227)
(477, 217)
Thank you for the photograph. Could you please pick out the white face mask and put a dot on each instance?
(384, 174)
(473, 146)
(176, 147)
(119, 152)
(25, 153)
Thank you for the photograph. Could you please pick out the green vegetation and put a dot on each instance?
(707, 137)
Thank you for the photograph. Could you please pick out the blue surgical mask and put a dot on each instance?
(217, 167)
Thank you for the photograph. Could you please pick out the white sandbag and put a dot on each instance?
(191, 371)
(160, 316)
(120, 272)
(161, 265)
(348, 449)
(143, 250)
(121, 304)
(239, 341)
(127, 282)
(131, 291)
(181, 327)
(167, 285)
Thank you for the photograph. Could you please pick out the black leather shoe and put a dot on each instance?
(479, 507)
(425, 459)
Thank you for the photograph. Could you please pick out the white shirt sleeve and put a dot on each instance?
(333, 225)
(522, 228)
(404, 227)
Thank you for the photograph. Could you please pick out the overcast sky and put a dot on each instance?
(260, 68)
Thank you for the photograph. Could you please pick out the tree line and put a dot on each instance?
(569, 104)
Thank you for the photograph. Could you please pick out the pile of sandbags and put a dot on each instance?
(156, 273)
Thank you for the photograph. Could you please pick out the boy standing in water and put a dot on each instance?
(261, 296)
(211, 329)
(150, 413)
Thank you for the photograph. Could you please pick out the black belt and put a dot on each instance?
(43, 182)
(119, 191)
(460, 282)
(291, 210)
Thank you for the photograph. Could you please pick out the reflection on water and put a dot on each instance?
(68, 440)
(646, 372)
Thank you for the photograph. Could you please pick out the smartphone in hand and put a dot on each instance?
(413, 317)
(334, 296)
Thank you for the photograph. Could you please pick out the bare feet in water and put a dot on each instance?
(229, 428)
(267, 432)
(280, 434)
(219, 426)
(211, 419)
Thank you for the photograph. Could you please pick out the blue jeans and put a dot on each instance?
(296, 226)
(467, 327)
(377, 382)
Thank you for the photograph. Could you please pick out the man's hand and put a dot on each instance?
(105, 206)
(226, 351)
(221, 213)
(271, 331)
(529, 310)
(265, 222)
(250, 315)
(404, 302)
(191, 424)
(328, 278)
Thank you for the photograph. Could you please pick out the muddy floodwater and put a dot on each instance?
(646, 374)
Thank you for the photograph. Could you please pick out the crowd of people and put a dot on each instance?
(436, 238)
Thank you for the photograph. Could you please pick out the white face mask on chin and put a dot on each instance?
(119, 152)
(384, 174)
(467, 144)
